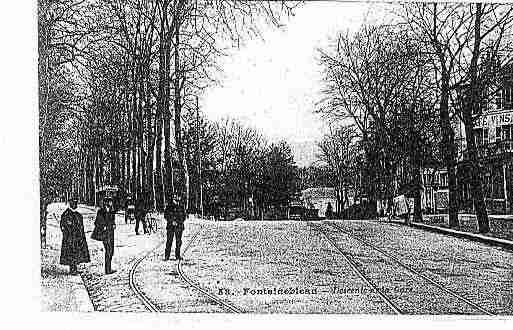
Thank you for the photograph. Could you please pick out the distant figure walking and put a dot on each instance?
(130, 211)
(329, 211)
(140, 215)
(74, 248)
(175, 218)
(104, 227)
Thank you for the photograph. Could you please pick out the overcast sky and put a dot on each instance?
(273, 84)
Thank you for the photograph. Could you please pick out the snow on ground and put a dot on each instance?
(265, 267)
(59, 290)
(287, 267)
(283, 267)
(476, 270)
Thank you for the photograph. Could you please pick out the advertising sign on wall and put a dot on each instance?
(496, 119)
(401, 206)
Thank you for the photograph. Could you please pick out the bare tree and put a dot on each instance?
(457, 36)
(375, 78)
(338, 150)
(129, 73)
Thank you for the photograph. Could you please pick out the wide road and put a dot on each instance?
(424, 272)
(332, 267)
(298, 267)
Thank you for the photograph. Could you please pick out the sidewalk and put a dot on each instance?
(471, 236)
(60, 292)
(498, 236)
(92, 290)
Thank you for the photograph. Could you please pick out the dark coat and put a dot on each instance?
(74, 248)
(329, 211)
(140, 209)
(176, 213)
(104, 225)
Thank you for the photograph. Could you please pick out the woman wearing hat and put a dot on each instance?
(74, 248)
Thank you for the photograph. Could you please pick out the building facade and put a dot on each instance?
(493, 133)
(318, 198)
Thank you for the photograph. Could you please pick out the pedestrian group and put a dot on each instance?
(74, 249)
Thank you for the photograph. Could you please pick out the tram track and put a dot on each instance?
(355, 268)
(152, 307)
(394, 259)
(440, 286)
(94, 285)
(136, 289)
(229, 307)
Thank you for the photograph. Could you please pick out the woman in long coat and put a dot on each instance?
(74, 248)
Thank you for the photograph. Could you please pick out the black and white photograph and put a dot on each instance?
(275, 157)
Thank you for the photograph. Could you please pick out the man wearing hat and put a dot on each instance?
(74, 248)
(140, 214)
(104, 226)
(174, 214)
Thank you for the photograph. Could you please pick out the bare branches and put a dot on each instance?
(118, 56)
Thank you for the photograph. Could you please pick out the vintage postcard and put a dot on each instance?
(276, 157)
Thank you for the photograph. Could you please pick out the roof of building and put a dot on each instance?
(107, 188)
(319, 192)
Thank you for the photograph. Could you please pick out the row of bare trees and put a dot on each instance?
(402, 86)
(119, 88)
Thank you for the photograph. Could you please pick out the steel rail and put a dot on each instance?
(133, 286)
(191, 283)
(353, 265)
(410, 269)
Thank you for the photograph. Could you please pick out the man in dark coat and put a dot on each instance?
(329, 211)
(105, 224)
(175, 218)
(74, 248)
(140, 215)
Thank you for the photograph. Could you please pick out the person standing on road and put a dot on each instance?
(175, 218)
(104, 227)
(74, 248)
(140, 215)
(329, 211)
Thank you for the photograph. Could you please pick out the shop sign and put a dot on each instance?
(496, 119)
(401, 206)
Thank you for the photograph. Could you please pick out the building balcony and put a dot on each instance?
(494, 150)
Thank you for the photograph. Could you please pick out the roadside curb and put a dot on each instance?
(82, 298)
(92, 208)
(461, 234)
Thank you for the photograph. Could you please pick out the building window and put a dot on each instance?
(485, 136)
(443, 180)
(478, 136)
(507, 97)
(481, 136)
(507, 132)
(498, 99)
(498, 134)
(466, 192)
(494, 184)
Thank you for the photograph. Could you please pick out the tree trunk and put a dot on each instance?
(159, 184)
(168, 162)
(449, 153)
(44, 90)
(474, 105)
(180, 185)
(417, 199)
(161, 107)
(150, 146)
(133, 133)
